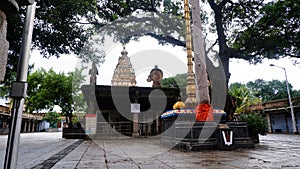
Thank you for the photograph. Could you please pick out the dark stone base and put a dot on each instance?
(74, 133)
(191, 136)
(4, 131)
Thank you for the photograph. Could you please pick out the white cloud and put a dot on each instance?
(241, 71)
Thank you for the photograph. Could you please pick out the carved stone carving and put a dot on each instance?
(124, 73)
(93, 72)
(156, 76)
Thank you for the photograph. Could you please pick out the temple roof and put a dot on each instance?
(108, 96)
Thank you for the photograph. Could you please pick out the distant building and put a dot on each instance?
(30, 122)
(124, 73)
(279, 115)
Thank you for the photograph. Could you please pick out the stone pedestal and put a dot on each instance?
(190, 135)
(135, 129)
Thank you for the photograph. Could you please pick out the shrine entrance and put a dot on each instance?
(111, 122)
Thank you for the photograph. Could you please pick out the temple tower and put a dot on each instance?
(124, 73)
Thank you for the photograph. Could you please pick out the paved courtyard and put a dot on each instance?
(49, 150)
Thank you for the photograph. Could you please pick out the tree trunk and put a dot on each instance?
(224, 54)
(224, 51)
(202, 93)
(70, 124)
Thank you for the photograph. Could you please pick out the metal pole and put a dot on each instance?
(18, 92)
(291, 104)
(290, 100)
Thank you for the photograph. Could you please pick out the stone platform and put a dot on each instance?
(183, 132)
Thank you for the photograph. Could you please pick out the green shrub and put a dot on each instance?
(257, 124)
(53, 118)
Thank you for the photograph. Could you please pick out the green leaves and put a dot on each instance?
(258, 91)
(179, 82)
(53, 118)
(271, 90)
(48, 88)
(244, 96)
(247, 29)
(275, 32)
(257, 123)
(60, 27)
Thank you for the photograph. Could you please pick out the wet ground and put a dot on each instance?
(49, 150)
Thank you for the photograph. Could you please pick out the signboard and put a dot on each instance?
(135, 108)
(90, 123)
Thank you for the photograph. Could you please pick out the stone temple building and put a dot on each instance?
(109, 107)
(124, 73)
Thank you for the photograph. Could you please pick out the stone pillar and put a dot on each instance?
(33, 127)
(29, 126)
(91, 107)
(7, 8)
(269, 123)
(154, 124)
(37, 126)
(25, 126)
(135, 129)
(4, 45)
(157, 125)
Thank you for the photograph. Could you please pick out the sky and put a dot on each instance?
(144, 55)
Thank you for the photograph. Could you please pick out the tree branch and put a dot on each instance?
(223, 3)
(213, 5)
(89, 23)
(167, 39)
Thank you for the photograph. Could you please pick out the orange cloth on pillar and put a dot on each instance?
(204, 112)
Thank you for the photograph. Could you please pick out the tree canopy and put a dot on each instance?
(53, 118)
(274, 34)
(262, 89)
(58, 29)
(179, 82)
(246, 29)
(271, 90)
(48, 88)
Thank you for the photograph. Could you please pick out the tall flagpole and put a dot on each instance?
(190, 89)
